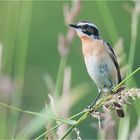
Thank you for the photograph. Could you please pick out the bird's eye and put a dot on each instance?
(95, 31)
(89, 29)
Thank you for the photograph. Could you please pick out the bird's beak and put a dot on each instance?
(73, 26)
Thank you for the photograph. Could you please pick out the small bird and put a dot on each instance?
(100, 60)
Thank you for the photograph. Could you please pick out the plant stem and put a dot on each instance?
(134, 29)
(18, 62)
(59, 125)
(130, 75)
(67, 121)
(97, 105)
(60, 76)
(48, 131)
(73, 126)
(84, 116)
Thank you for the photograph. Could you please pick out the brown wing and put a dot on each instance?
(114, 59)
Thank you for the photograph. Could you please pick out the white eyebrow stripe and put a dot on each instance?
(91, 24)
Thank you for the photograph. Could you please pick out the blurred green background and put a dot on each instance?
(29, 40)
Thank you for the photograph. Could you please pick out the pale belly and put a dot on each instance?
(102, 72)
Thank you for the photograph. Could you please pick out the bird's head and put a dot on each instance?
(85, 28)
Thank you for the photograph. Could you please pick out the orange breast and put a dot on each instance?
(92, 47)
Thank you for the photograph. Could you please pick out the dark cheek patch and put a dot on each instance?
(88, 33)
(89, 30)
(96, 32)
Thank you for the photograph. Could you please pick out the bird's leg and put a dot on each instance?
(96, 99)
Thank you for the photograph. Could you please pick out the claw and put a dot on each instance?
(90, 108)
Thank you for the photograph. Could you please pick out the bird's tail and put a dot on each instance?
(119, 110)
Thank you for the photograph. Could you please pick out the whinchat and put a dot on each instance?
(100, 60)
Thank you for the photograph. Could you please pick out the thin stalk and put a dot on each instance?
(97, 105)
(48, 131)
(72, 127)
(19, 61)
(56, 126)
(60, 76)
(58, 88)
(129, 76)
(67, 121)
(134, 29)
(11, 22)
(107, 19)
(20, 110)
(123, 129)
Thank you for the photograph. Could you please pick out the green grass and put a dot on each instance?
(29, 36)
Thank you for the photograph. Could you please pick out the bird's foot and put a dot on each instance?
(120, 89)
(89, 108)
